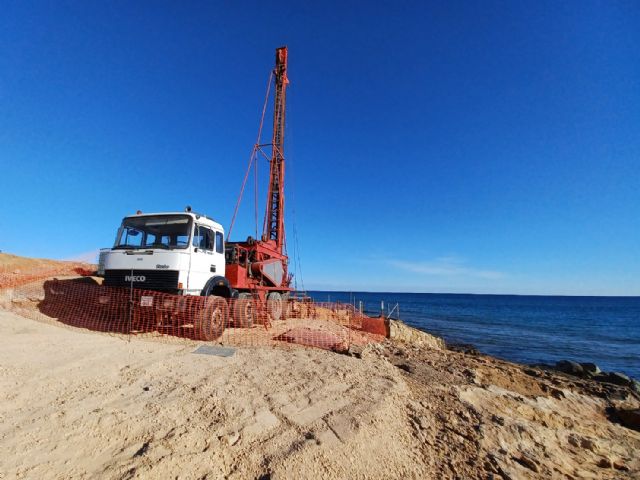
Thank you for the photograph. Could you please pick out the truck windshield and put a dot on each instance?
(154, 231)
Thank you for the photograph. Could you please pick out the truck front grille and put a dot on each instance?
(143, 279)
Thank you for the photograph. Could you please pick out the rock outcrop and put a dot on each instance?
(401, 332)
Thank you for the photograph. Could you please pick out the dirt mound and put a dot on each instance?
(15, 262)
(16, 271)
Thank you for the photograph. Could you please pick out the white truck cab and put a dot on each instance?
(176, 252)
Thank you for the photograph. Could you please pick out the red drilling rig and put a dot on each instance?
(184, 252)
(258, 269)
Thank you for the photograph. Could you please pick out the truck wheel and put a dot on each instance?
(212, 319)
(274, 305)
(244, 310)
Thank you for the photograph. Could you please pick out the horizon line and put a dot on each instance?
(480, 294)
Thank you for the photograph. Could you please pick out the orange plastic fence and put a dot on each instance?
(84, 303)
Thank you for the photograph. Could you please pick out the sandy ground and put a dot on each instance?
(76, 404)
(79, 405)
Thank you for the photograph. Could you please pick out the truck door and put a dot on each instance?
(203, 259)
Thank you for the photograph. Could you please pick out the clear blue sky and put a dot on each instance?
(484, 147)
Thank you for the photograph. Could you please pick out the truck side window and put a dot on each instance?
(203, 238)
(209, 239)
(197, 236)
(219, 243)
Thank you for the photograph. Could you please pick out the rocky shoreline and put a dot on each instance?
(514, 416)
(607, 385)
(591, 371)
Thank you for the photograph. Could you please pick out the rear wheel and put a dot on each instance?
(244, 310)
(274, 305)
(212, 319)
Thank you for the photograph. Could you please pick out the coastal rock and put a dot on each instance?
(498, 419)
(591, 368)
(605, 463)
(630, 418)
(618, 379)
(572, 368)
(355, 350)
(588, 444)
(618, 465)
(582, 442)
(574, 440)
(404, 333)
(601, 377)
(532, 372)
(463, 348)
(406, 367)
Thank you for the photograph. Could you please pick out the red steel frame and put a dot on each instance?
(245, 264)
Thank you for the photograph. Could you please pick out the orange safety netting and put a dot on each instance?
(83, 302)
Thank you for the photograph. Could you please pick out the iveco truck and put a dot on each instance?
(174, 252)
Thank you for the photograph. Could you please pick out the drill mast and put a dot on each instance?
(274, 220)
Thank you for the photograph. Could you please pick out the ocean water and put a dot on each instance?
(524, 329)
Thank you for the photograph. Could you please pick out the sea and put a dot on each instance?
(523, 329)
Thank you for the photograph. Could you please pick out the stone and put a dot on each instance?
(582, 442)
(423, 422)
(527, 462)
(572, 368)
(588, 444)
(497, 419)
(620, 466)
(406, 367)
(630, 418)
(604, 462)
(618, 378)
(466, 348)
(591, 368)
(574, 440)
(412, 336)
(355, 350)
(232, 438)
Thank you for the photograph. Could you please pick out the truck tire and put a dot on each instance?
(244, 310)
(274, 305)
(212, 320)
